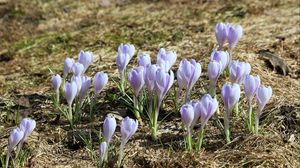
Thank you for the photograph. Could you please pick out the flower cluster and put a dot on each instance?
(18, 136)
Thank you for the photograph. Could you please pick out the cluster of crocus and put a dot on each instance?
(76, 87)
(150, 80)
(194, 111)
(128, 128)
(228, 32)
(18, 136)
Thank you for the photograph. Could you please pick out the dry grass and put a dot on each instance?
(38, 34)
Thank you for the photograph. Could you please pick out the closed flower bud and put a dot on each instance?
(70, 91)
(234, 35)
(220, 56)
(136, 79)
(15, 137)
(238, 71)
(85, 86)
(85, 58)
(68, 64)
(207, 107)
(77, 69)
(214, 71)
(230, 94)
(144, 60)
(128, 128)
(221, 33)
(251, 84)
(166, 59)
(56, 82)
(125, 53)
(27, 125)
(263, 96)
(109, 127)
(187, 114)
(100, 80)
(150, 76)
(163, 83)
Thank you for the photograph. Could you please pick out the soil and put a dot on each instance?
(37, 35)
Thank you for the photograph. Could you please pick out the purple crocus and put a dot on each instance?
(235, 32)
(251, 84)
(187, 75)
(230, 95)
(263, 95)
(56, 82)
(68, 64)
(125, 53)
(27, 125)
(100, 80)
(238, 71)
(70, 91)
(109, 127)
(150, 76)
(77, 69)
(102, 151)
(15, 137)
(207, 107)
(166, 59)
(187, 115)
(214, 72)
(85, 86)
(86, 59)
(144, 60)
(78, 81)
(136, 79)
(221, 33)
(163, 83)
(220, 56)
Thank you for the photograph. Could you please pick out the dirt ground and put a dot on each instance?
(36, 35)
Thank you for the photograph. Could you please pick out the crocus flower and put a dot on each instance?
(109, 127)
(234, 35)
(77, 69)
(136, 79)
(207, 107)
(27, 125)
(85, 58)
(144, 60)
(221, 33)
(128, 128)
(214, 72)
(150, 76)
(263, 96)
(251, 84)
(102, 151)
(68, 64)
(220, 56)
(166, 59)
(100, 80)
(163, 83)
(78, 81)
(85, 85)
(230, 95)
(70, 91)
(125, 53)
(56, 82)
(187, 115)
(187, 75)
(238, 71)
(15, 137)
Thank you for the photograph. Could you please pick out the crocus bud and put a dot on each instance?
(220, 56)
(136, 79)
(128, 128)
(100, 80)
(188, 73)
(207, 107)
(85, 58)
(15, 137)
(78, 81)
(214, 71)
(251, 83)
(263, 96)
(102, 150)
(125, 53)
(163, 83)
(144, 60)
(230, 94)
(187, 114)
(234, 35)
(68, 64)
(109, 127)
(238, 71)
(27, 125)
(195, 104)
(221, 33)
(166, 59)
(56, 82)
(85, 85)
(70, 91)
(150, 76)
(77, 69)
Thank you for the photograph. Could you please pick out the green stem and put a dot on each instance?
(121, 153)
(250, 117)
(226, 126)
(70, 115)
(154, 120)
(189, 139)
(201, 136)
(256, 124)
(136, 109)
(7, 159)
(236, 110)
(187, 96)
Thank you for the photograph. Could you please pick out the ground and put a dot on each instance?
(37, 35)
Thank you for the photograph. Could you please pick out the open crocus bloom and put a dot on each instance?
(86, 59)
(109, 127)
